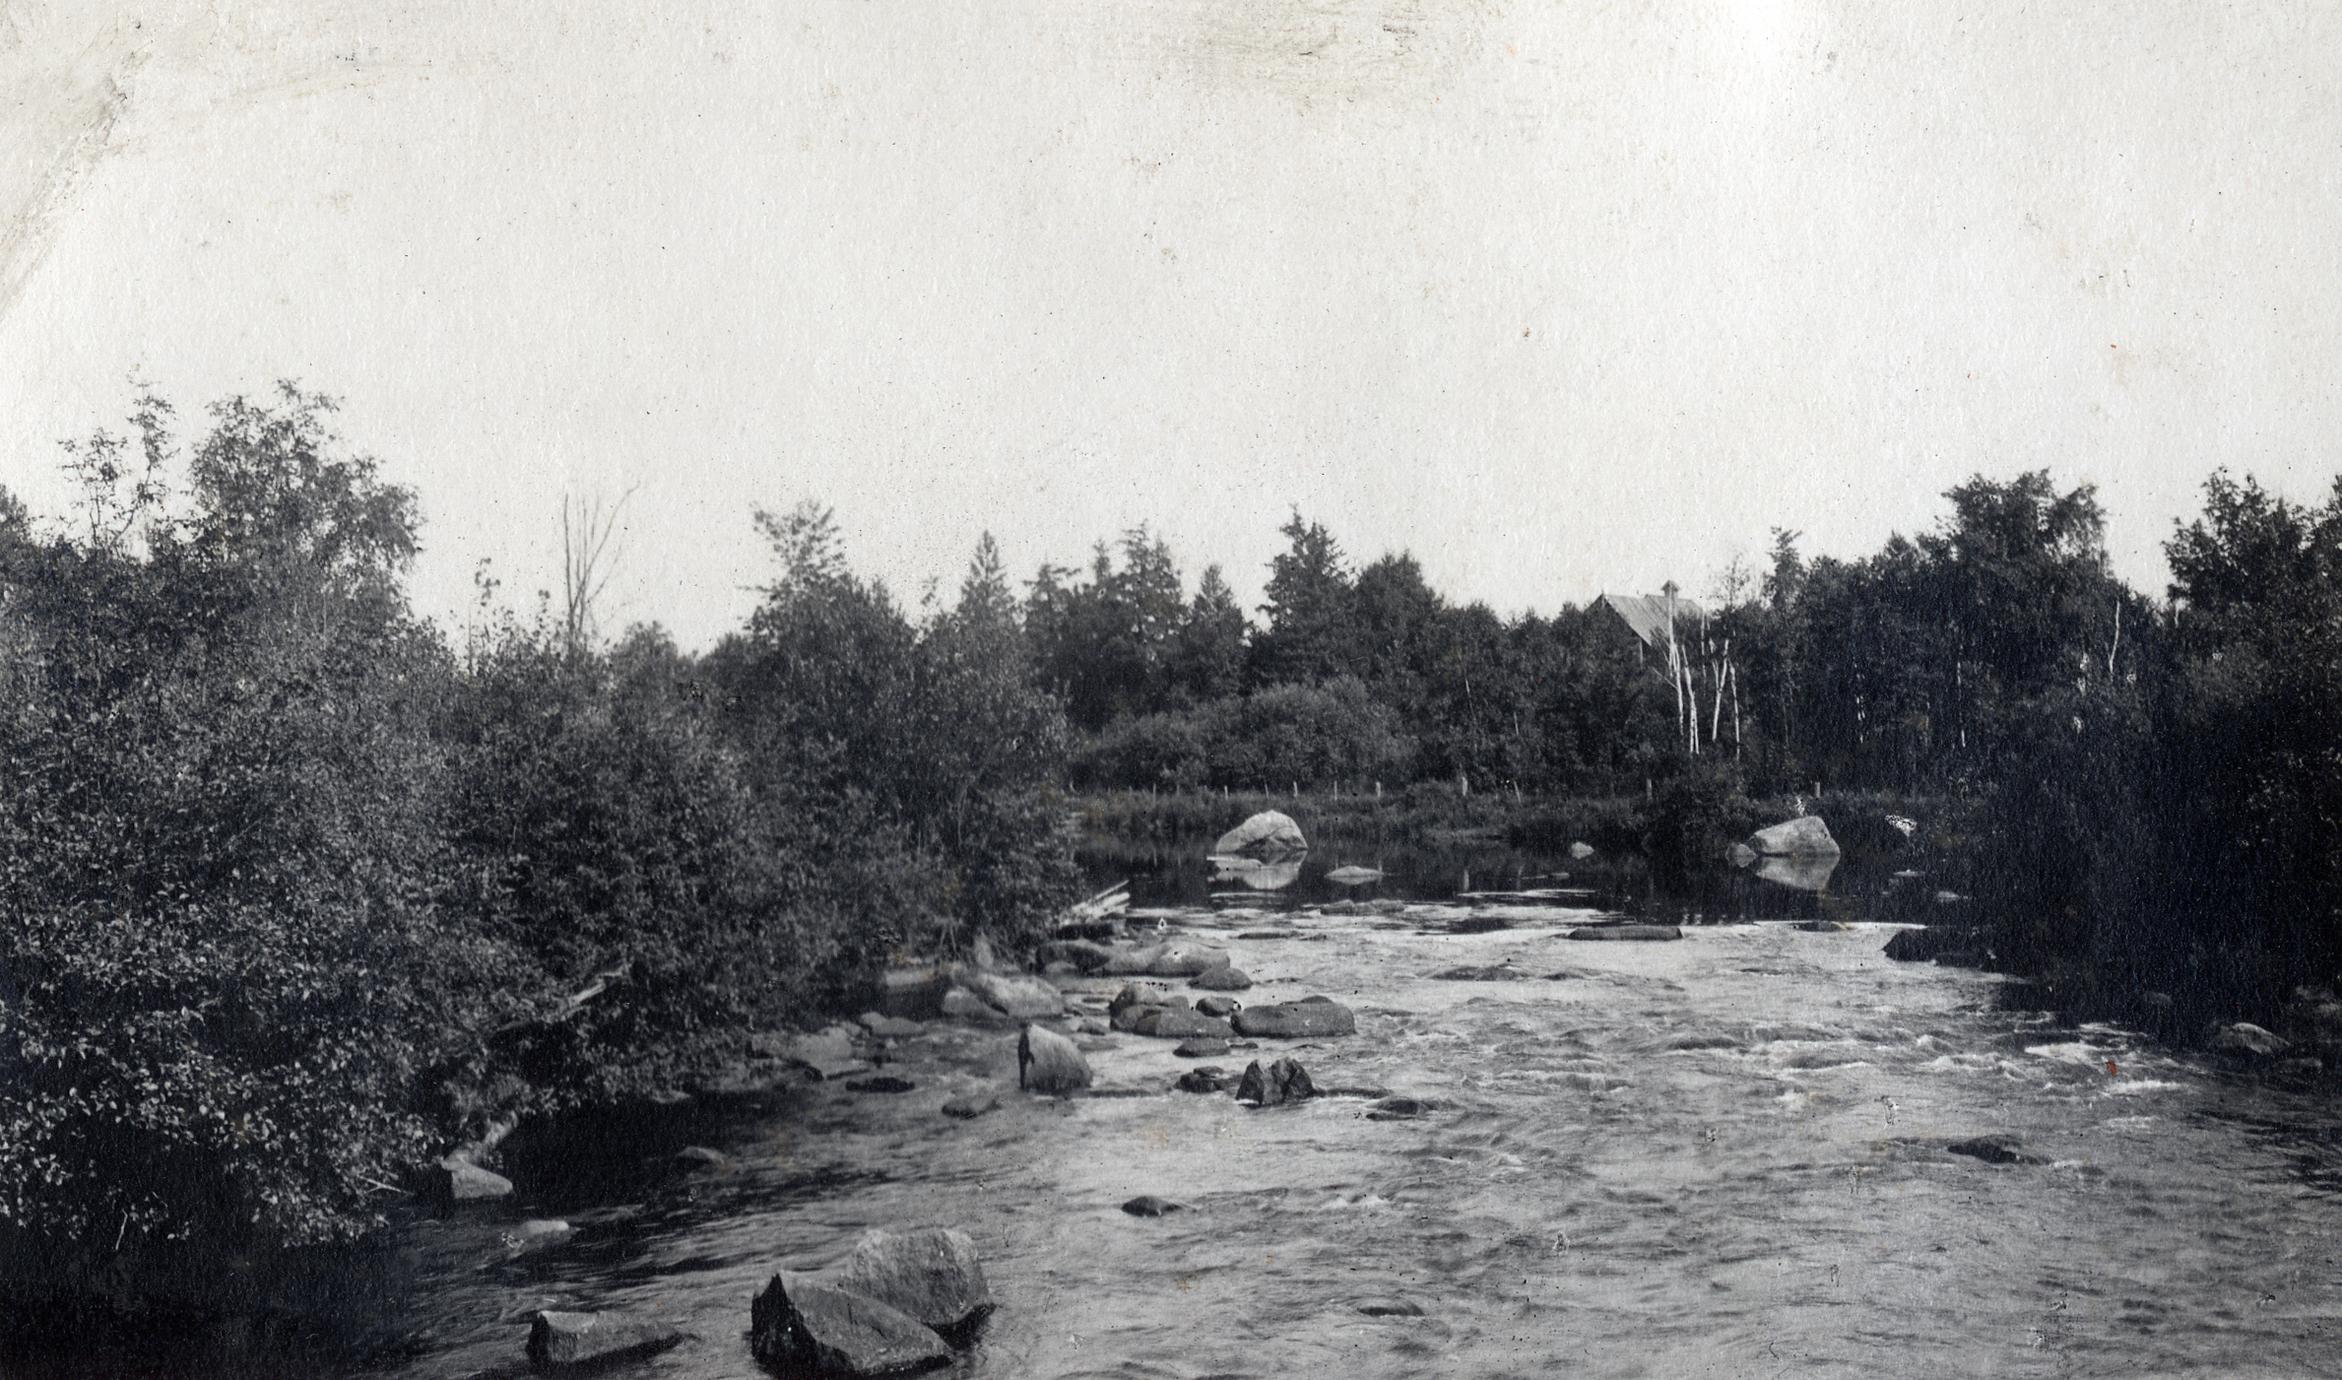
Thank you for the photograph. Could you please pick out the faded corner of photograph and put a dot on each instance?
(1169, 690)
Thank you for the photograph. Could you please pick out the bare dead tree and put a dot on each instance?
(587, 526)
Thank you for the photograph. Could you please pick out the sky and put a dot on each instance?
(1558, 297)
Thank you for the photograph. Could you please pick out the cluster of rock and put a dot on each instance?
(899, 1302)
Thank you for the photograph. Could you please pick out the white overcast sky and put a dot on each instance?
(1561, 297)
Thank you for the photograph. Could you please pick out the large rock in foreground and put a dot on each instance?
(800, 1324)
(931, 1274)
(1804, 836)
(1269, 834)
(1296, 1020)
(1047, 1062)
(587, 1339)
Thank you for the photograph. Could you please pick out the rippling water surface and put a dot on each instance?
(1722, 1156)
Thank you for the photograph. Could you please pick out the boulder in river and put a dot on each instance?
(1933, 944)
(930, 1273)
(1201, 1047)
(1148, 1205)
(1740, 855)
(881, 1083)
(1269, 834)
(1630, 933)
(1047, 1062)
(1803, 836)
(1283, 1081)
(1308, 1018)
(456, 1179)
(1178, 1023)
(1479, 972)
(1225, 978)
(1081, 953)
(890, 1027)
(1222, 1007)
(827, 1053)
(2243, 1039)
(1187, 960)
(1026, 998)
(1581, 850)
(560, 1340)
(1131, 962)
(1399, 1109)
(800, 1324)
(960, 1004)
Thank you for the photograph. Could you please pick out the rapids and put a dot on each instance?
(1721, 1156)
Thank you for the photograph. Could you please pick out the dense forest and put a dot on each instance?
(304, 889)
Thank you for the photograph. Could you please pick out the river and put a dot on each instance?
(1724, 1156)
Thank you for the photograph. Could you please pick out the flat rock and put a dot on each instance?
(559, 1340)
(1310, 1017)
(827, 1054)
(1489, 972)
(1187, 960)
(801, 1324)
(1178, 1023)
(890, 1027)
(1627, 933)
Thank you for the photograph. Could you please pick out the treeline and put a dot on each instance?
(2144, 793)
(300, 893)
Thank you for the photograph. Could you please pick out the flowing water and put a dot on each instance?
(1723, 1156)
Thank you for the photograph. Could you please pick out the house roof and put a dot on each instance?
(1645, 615)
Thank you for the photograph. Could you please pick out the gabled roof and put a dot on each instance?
(1645, 615)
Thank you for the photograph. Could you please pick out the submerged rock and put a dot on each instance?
(974, 1103)
(1628, 933)
(1283, 1081)
(1047, 1062)
(559, 1339)
(1399, 1109)
(1488, 972)
(1391, 1308)
(1211, 1078)
(799, 1323)
(1993, 1150)
(1310, 1017)
(1148, 1205)
(1271, 833)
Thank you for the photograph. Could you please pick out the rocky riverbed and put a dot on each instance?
(1755, 1149)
